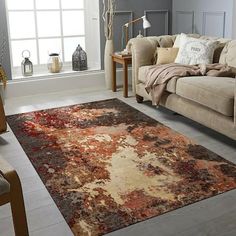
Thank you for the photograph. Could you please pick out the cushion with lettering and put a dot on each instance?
(194, 51)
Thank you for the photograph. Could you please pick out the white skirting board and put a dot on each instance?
(41, 85)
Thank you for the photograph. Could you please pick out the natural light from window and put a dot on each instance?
(49, 26)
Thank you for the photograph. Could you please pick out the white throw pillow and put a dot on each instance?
(194, 51)
(178, 39)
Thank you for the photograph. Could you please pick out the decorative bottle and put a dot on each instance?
(54, 63)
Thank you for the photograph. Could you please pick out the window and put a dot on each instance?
(46, 26)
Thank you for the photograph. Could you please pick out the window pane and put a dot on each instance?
(47, 4)
(73, 23)
(72, 4)
(48, 24)
(22, 25)
(20, 4)
(70, 45)
(19, 46)
(47, 46)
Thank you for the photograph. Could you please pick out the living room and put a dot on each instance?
(117, 117)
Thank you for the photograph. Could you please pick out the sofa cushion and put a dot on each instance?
(216, 93)
(194, 51)
(179, 36)
(142, 77)
(165, 41)
(166, 55)
(228, 54)
(4, 185)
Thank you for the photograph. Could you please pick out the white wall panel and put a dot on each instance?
(214, 24)
(211, 17)
(159, 20)
(184, 21)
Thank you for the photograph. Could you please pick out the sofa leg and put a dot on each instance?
(139, 99)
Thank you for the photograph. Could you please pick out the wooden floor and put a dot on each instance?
(215, 216)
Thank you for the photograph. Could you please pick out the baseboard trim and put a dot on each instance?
(94, 79)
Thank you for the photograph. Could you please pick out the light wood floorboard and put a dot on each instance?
(214, 216)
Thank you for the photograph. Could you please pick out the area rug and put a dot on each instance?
(107, 165)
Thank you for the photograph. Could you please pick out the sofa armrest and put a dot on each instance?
(143, 51)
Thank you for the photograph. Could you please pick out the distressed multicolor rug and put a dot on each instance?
(107, 165)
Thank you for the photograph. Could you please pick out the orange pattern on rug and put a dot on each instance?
(107, 165)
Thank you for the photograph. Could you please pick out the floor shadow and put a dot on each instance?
(173, 116)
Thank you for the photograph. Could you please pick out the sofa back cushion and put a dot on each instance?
(228, 54)
(165, 41)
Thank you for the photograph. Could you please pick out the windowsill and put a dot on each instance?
(63, 73)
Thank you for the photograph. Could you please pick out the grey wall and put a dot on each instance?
(158, 13)
(4, 37)
(208, 17)
(234, 20)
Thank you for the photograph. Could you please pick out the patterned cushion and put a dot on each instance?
(4, 185)
(194, 51)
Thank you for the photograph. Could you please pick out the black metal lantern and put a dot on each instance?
(26, 64)
(79, 59)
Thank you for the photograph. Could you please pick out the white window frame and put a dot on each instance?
(90, 21)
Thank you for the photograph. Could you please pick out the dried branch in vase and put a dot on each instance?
(2, 47)
(3, 76)
(108, 16)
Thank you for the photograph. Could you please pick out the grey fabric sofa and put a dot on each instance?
(210, 101)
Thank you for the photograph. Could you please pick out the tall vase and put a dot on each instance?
(109, 49)
(2, 94)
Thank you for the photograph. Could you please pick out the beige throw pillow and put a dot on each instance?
(166, 55)
(194, 51)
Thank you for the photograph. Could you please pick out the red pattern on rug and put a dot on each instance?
(107, 165)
